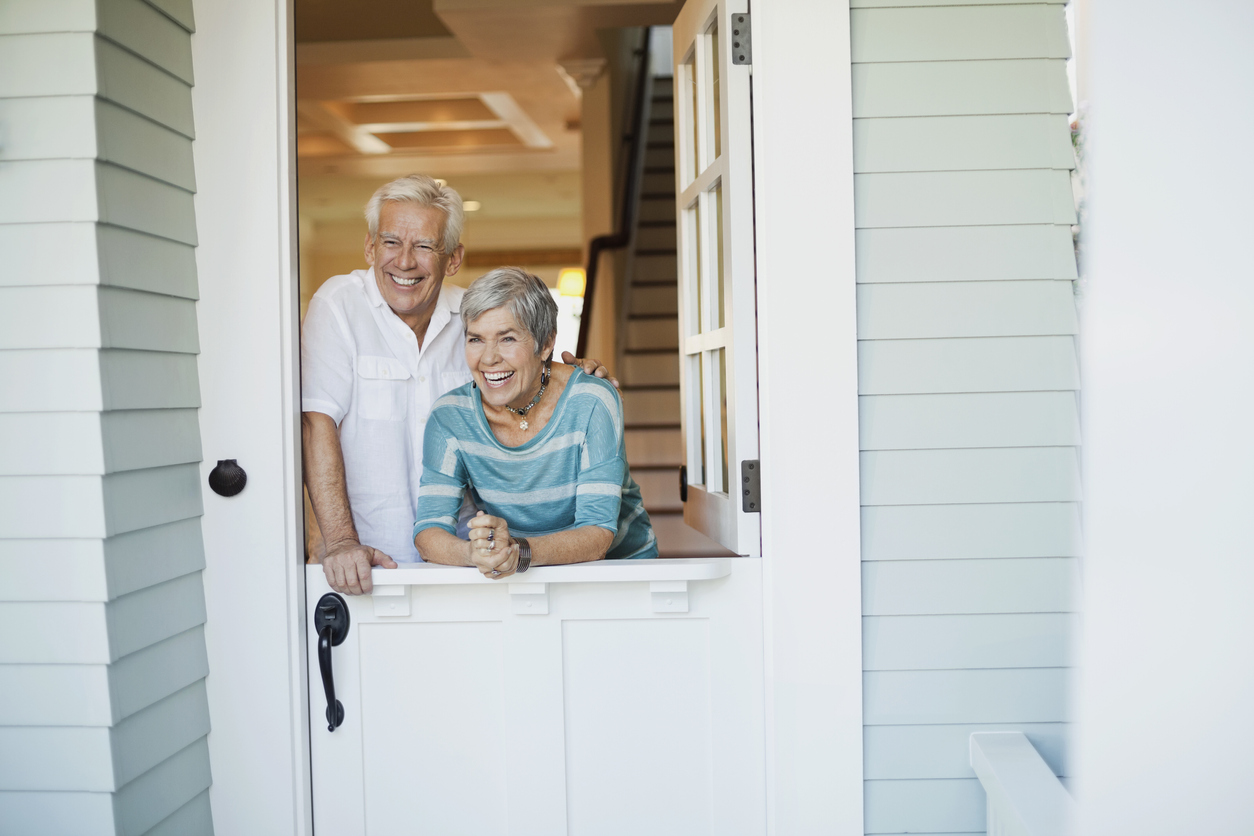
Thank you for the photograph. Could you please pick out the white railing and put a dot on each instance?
(1025, 798)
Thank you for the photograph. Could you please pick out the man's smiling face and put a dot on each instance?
(409, 262)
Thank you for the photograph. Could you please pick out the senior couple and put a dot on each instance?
(436, 425)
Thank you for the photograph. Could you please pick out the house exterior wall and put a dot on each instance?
(968, 384)
(102, 660)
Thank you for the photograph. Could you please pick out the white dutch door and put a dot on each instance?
(717, 313)
(618, 697)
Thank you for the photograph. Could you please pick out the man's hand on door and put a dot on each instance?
(347, 567)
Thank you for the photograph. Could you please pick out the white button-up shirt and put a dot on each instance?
(362, 366)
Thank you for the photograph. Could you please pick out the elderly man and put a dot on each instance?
(378, 347)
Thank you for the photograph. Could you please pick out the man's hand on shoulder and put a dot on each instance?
(589, 366)
(347, 567)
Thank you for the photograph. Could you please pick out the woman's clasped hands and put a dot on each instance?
(492, 551)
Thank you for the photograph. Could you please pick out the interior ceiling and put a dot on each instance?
(469, 91)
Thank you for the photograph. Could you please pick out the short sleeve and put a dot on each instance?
(603, 469)
(444, 478)
(326, 362)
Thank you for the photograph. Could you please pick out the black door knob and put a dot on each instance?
(228, 478)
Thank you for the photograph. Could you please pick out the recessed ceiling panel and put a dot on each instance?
(493, 138)
(422, 110)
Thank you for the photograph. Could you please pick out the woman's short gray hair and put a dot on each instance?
(425, 191)
(524, 295)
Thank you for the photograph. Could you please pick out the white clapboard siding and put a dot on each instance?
(920, 751)
(998, 419)
(101, 602)
(960, 88)
(992, 364)
(963, 198)
(958, 33)
(945, 254)
(969, 587)
(1006, 695)
(966, 309)
(943, 532)
(968, 378)
(1038, 640)
(952, 807)
(962, 143)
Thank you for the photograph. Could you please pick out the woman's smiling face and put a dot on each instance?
(502, 358)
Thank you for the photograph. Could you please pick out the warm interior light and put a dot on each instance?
(471, 206)
(570, 281)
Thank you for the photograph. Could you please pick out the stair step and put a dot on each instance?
(661, 182)
(657, 331)
(650, 368)
(660, 489)
(651, 405)
(653, 446)
(662, 108)
(663, 133)
(655, 239)
(658, 209)
(659, 155)
(676, 539)
(654, 300)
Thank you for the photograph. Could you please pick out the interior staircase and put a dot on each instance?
(648, 360)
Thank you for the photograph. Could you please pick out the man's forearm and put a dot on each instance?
(324, 478)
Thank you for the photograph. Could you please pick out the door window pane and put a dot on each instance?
(716, 118)
(720, 361)
(691, 124)
(698, 361)
(692, 287)
(719, 317)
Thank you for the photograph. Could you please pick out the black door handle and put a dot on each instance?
(331, 621)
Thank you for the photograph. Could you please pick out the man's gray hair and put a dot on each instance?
(425, 191)
(524, 295)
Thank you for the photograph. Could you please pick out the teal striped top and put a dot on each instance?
(573, 474)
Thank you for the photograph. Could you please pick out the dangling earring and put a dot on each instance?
(474, 385)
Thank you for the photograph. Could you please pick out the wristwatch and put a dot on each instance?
(524, 555)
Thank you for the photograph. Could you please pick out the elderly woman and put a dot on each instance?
(540, 447)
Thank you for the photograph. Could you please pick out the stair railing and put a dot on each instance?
(633, 169)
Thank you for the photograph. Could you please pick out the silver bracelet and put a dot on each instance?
(524, 555)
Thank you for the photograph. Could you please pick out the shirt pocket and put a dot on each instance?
(382, 390)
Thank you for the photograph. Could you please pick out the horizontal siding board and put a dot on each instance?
(80, 570)
(136, 499)
(192, 819)
(76, 323)
(149, 556)
(164, 789)
(52, 443)
(26, 247)
(942, 806)
(962, 143)
(54, 633)
(969, 587)
(958, 33)
(57, 814)
(149, 380)
(142, 29)
(990, 364)
(131, 141)
(147, 321)
(1020, 695)
(1001, 474)
(952, 642)
(59, 64)
(148, 737)
(48, 128)
(140, 679)
(137, 202)
(180, 11)
(151, 615)
(50, 380)
(966, 309)
(940, 532)
(34, 191)
(146, 262)
(33, 18)
(56, 758)
(133, 83)
(905, 752)
(51, 506)
(961, 88)
(137, 439)
(55, 695)
(1001, 419)
(963, 198)
(944, 254)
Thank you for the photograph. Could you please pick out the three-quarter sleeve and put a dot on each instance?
(444, 478)
(326, 362)
(603, 467)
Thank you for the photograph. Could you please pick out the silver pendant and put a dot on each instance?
(523, 425)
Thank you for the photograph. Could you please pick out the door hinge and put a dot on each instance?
(751, 486)
(742, 39)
